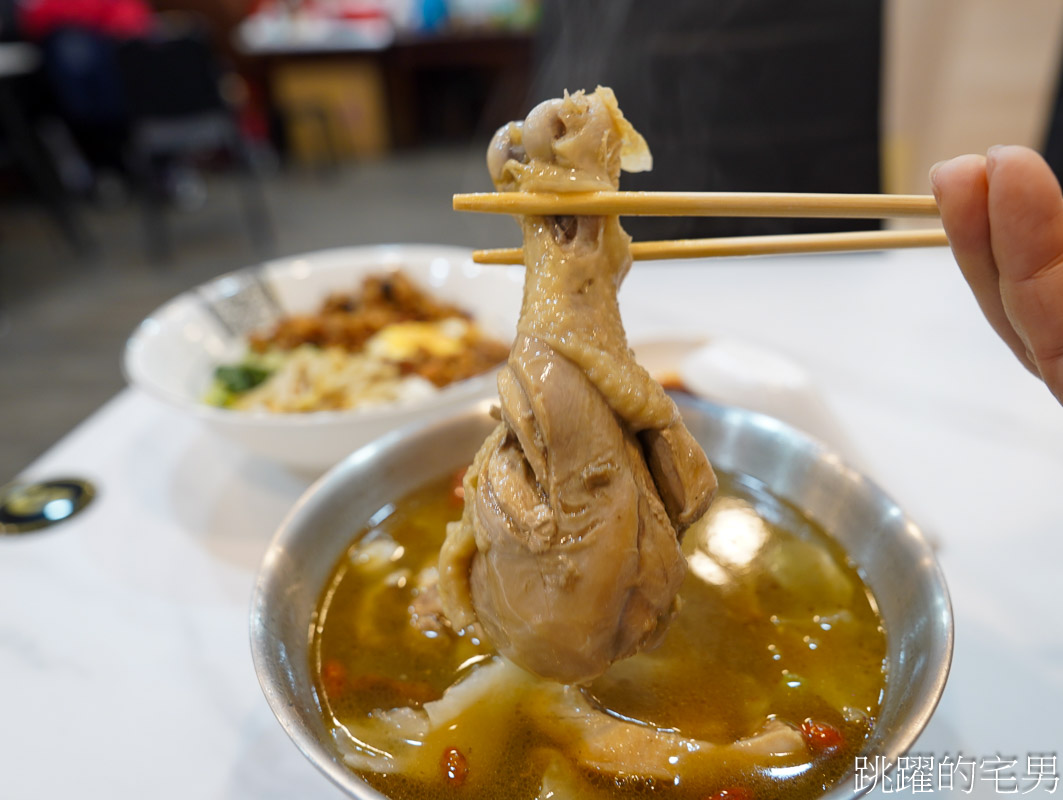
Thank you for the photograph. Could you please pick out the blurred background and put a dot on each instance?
(148, 145)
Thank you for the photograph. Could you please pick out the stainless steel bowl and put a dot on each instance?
(889, 549)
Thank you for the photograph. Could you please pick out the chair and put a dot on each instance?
(21, 143)
(177, 113)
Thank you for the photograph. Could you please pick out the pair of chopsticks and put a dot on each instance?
(721, 204)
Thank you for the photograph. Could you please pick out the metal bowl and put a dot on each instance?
(890, 551)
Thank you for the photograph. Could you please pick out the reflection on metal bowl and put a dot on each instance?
(891, 553)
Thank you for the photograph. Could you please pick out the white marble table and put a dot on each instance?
(125, 669)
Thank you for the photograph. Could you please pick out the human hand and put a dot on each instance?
(1003, 214)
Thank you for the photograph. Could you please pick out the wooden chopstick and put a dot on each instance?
(701, 204)
(754, 245)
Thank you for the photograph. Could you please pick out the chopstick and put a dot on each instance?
(701, 204)
(721, 204)
(754, 245)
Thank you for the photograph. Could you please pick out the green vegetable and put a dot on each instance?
(232, 380)
(239, 378)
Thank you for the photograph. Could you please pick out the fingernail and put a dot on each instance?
(933, 174)
(934, 179)
(991, 157)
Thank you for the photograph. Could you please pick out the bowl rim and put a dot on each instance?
(451, 394)
(912, 727)
(312, 749)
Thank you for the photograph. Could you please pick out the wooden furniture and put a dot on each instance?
(415, 90)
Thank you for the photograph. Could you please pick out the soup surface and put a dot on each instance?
(766, 684)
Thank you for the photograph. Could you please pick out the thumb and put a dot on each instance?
(1026, 232)
(1025, 212)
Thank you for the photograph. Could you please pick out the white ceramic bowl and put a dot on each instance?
(173, 353)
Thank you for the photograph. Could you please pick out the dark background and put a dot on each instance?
(731, 95)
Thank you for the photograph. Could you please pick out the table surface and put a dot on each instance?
(123, 632)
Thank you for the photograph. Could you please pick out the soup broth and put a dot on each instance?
(777, 641)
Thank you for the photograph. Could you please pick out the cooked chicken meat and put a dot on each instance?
(568, 551)
(410, 741)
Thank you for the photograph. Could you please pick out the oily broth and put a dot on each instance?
(774, 622)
